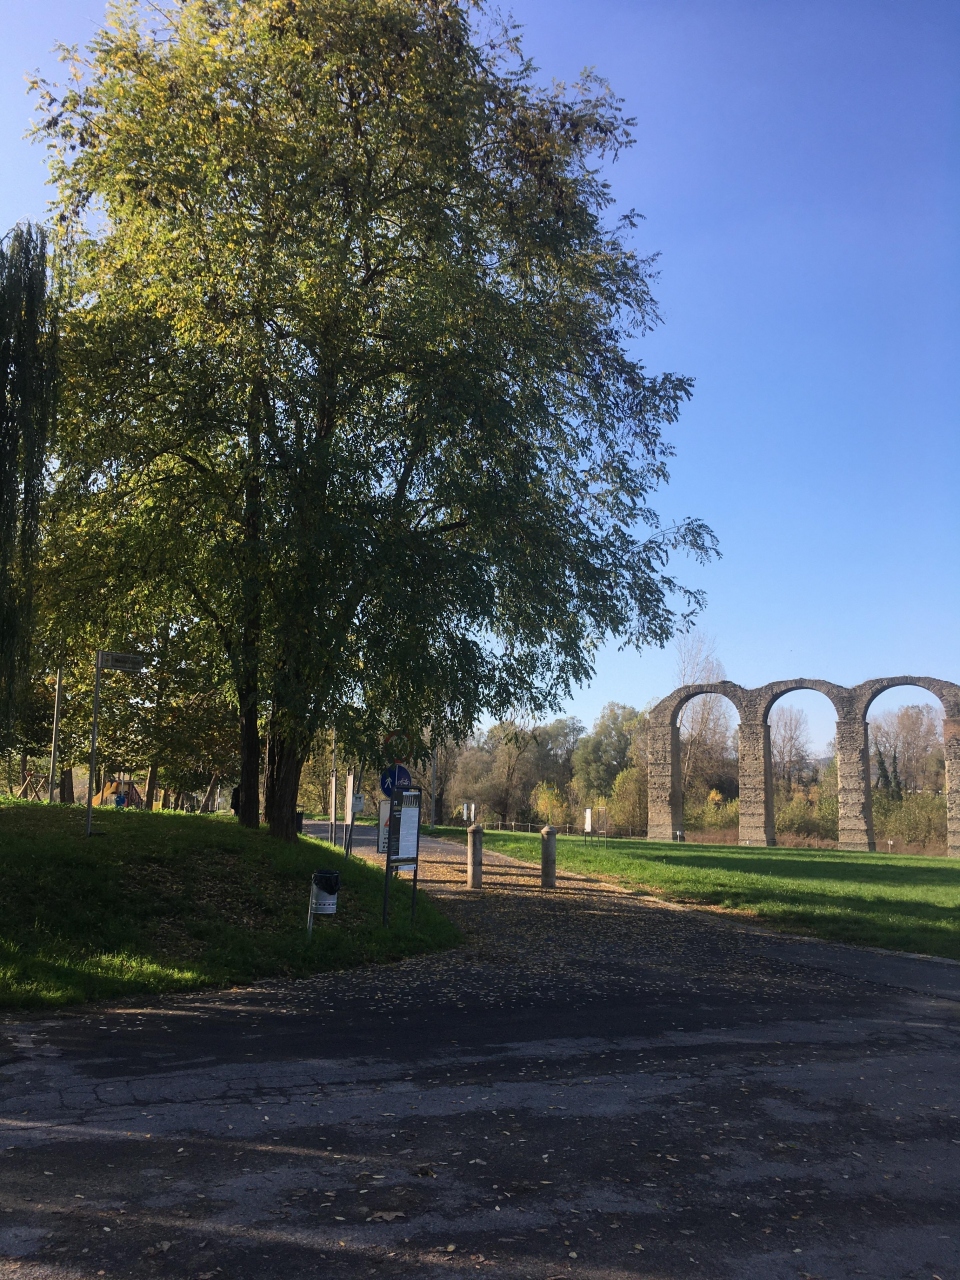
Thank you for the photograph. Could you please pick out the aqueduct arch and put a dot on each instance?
(664, 791)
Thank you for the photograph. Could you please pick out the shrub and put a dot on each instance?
(919, 818)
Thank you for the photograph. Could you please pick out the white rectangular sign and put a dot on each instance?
(383, 829)
(348, 809)
(109, 660)
(409, 828)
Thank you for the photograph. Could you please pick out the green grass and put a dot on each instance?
(873, 899)
(169, 902)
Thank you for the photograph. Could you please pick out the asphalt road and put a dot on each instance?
(593, 1086)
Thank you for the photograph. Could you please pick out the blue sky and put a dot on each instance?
(797, 165)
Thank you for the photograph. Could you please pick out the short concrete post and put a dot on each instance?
(475, 856)
(548, 858)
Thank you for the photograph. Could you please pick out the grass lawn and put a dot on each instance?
(167, 902)
(874, 899)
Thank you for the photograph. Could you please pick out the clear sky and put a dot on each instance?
(798, 164)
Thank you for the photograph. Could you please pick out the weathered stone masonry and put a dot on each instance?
(665, 799)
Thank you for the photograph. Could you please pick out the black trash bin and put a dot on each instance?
(299, 822)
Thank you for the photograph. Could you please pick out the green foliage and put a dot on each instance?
(896, 786)
(554, 745)
(799, 816)
(917, 819)
(627, 805)
(27, 359)
(164, 902)
(883, 775)
(904, 903)
(550, 804)
(828, 803)
(601, 755)
(346, 350)
(716, 813)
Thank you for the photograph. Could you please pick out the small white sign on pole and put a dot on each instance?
(587, 821)
(348, 811)
(383, 829)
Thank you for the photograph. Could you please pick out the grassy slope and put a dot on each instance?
(162, 902)
(874, 899)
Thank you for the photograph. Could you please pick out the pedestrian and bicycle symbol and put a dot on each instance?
(397, 776)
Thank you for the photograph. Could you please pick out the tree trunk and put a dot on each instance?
(283, 786)
(23, 767)
(211, 792)
(249, 812)
(150, 790)
(269, 777)
(165, 799)
(251, 569)
(66, 786)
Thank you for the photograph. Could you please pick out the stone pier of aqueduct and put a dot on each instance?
(665, 797)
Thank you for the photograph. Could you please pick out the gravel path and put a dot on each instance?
(593, 1086)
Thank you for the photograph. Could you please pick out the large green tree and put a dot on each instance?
(348, 353)
(601, 755)
(27, 357)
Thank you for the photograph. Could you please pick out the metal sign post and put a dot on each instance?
(403, 842)
(107, 660)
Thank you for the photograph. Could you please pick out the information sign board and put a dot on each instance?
(403, 841)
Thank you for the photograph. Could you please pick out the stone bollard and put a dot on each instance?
(475, 856)
(548, 858)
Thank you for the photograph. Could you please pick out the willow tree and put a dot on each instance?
(349, 352)
(26, 403)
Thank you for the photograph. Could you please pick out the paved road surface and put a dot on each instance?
(594, 1086)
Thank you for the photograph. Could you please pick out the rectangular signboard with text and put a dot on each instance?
(111, 661)
(403, 841)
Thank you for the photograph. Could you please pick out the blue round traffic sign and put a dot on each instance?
(398, 776)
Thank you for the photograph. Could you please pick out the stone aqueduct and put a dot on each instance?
(665, 798)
